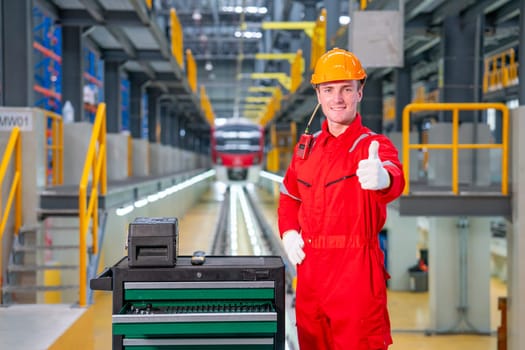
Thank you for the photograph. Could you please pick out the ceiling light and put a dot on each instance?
(248, 9)
(344, 20)
(196, 15)
(248, 34)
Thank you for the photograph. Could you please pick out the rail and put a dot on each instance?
(501, 71)
(191, 70)
(318, 39)
(296, 71)
(455, 146)
(55, 146)
(14, 145)
(177, 43)
(273, 106)
(94, 165)
(206, 106)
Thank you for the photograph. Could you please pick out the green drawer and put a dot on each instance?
(195, 328)
(257, 343)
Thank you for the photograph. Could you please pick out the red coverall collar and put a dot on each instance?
(352, 132)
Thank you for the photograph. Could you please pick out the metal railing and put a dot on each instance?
(318, 39)
(56, 147)
(177, 39)
(501, 71)
(272, 107)
(455, 146)
(94, 165)
(14, 146)
(191, 70)
(206, 106)
(296, 71)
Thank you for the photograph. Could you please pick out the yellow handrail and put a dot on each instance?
(501, 70)
(206, 106)
(191, 70)
(56, 147)
(95, 164)
(318, 39)
(177, 38)
(272, 107)
(455, 146)
(14, 144)
(296, 71)
(15, 193)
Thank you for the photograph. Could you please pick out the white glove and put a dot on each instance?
(371, 173)
(293, 246)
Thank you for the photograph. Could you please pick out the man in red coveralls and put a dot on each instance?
(331, 209)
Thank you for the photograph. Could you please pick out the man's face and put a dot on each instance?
(339, 101)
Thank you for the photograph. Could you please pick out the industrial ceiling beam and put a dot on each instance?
(306, 26)
(94, 9)
(290, 57)
(279, 76)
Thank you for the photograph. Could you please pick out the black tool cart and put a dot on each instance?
(220, 302)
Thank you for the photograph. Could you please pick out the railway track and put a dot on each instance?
(242, 229)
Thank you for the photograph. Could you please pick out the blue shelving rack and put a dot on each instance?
(47, 48)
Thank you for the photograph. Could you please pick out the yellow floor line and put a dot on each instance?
(80, 336)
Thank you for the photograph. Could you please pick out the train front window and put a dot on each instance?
(238, 140)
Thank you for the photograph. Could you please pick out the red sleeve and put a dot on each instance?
(289, 202)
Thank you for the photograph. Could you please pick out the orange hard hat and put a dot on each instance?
(337, 64)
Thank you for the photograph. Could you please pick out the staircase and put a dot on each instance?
(43, 262)
(53, 261)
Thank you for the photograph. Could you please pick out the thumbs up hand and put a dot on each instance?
(371, 173)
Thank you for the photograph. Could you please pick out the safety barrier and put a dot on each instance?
(94, 165)
(501, 70)
(296, 71)
(14, 147)
(282, 146)
(191, 70)
(455, 146)
(206, 106)
(318, 39)
(421, 96)
(54, 146)
(177, 41)
(272, 107)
